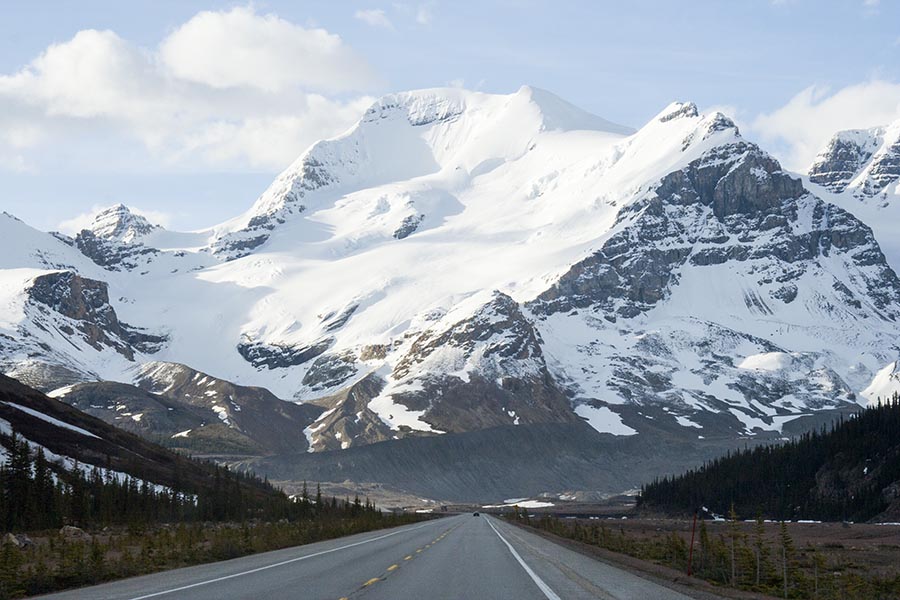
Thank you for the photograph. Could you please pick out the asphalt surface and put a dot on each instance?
(455, 558)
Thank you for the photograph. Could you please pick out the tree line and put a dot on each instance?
(133, 527)
(38, 494)
(831, 474)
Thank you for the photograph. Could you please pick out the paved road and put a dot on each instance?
(455, 558)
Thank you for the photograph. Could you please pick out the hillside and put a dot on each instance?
(76, 447)
(190, 411)
(848, 472)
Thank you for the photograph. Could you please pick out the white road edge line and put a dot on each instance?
(279, 564)
(550, 594)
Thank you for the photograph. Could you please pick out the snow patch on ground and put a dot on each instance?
(61, 392)
(522, 504)
(603, 420)
(767, 361)
(685, 422)
(51, 420)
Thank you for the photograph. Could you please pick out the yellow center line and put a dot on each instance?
(394, 567)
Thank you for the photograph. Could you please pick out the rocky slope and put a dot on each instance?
(863, 161)
(859, 171)
(458, 262)
(192, 411)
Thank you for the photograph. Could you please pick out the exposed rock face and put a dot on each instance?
(506, 379)
(635, 268)
(455, 405)
(110, 254)
(733, 204)
(409, 226)
(499, 324)
(866, 160)
(119, 223)
(85, 305)
(279, 357)
(114, 240)
(885, 169)
(842, 160)
(731, 209)
(334, 321)
(349, 421)
(330, 370)
(225, 417)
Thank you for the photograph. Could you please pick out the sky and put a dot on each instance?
(187, 110)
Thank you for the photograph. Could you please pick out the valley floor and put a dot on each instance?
(824, 560)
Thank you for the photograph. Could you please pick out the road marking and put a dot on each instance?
(371, 581)
(393, 568)
(278, 564)
(407, 557)
(550, 594)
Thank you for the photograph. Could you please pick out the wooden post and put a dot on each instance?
(691, 551)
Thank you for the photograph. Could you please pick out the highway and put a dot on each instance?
(455, 558)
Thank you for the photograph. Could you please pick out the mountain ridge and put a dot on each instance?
(460, 261)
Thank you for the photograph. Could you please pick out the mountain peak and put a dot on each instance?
(437, 132)
(562, 115)
(121, 223)
(677, 110)
(434, 105)
(864, 161)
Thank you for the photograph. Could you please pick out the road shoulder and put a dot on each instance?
(658, 574)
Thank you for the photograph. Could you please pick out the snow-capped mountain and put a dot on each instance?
(863, 161)
(458, 261)
(119, 223)
(859, 171)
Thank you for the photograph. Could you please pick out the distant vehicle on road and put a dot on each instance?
(476, 514)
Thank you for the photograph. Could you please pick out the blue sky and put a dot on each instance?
(161, 107)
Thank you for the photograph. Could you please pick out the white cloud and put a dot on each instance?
(425, 13)
(375, 17)
(15, 163)
(265, 141)
(227, 89)
(803, 126)
(77, 223)
(242, 48)
(871, 8)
